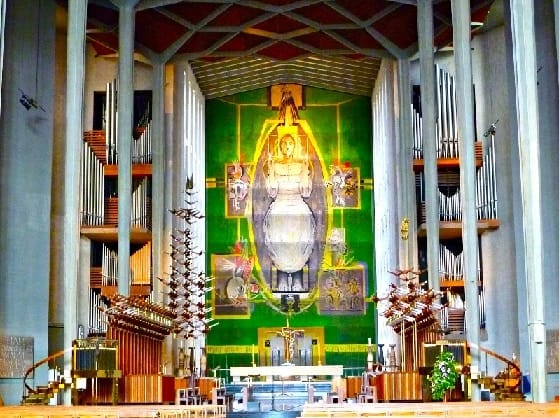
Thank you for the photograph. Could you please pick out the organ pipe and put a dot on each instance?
(140, 266)
(447, 140)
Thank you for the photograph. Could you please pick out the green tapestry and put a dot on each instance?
(289, 226)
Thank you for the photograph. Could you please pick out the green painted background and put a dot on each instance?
(233, 126)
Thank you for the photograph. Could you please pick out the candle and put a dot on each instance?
(253, 355)
(369, 341)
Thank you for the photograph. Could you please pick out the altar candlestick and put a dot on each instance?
(369, 355)
(253, 363)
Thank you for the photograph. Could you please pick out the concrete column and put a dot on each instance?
(465, 118)
(2, 25)
(168, 168)
(179, 145)
(555, 15)
(406, 182)
(525, 67)
(157, 178)
(385, 202)
(170, 347)
(125, 97)
(428, 103)
(178, 180)
(77, 14)
(179, 152)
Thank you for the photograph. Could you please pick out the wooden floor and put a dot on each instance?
(316, 410)
(433, 410)
(139, 411)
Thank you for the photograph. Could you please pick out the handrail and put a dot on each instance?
(39, 363)
(497, 356)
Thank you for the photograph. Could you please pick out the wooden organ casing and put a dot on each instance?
(140, 327)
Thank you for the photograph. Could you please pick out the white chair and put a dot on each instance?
(333, 397)
(218, 396)
(368, 395)
(181, 397)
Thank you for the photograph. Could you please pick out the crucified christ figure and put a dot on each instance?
(289, 336)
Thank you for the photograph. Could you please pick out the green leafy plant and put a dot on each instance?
(444, 375)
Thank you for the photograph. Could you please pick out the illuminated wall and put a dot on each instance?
(332, 307)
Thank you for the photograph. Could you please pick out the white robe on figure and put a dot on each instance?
(289, 225)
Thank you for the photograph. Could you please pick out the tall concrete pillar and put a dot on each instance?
(525, 70)
(406, 181)
(465, 117)
(385, 200)
(157, 178)
(125, 105)
(2, 25)
(428, 103)
(77, 14)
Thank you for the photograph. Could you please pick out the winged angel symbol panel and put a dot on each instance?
(289, 210)
(230, 287)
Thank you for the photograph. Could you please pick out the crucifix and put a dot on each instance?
(289, 336)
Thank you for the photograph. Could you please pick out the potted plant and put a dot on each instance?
(444, 375)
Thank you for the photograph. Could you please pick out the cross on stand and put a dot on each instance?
(289, 336)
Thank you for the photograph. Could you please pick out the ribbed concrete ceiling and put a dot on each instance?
(241, 45)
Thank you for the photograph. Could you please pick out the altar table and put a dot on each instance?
(285, 371)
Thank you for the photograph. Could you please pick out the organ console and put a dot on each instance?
(94, 359)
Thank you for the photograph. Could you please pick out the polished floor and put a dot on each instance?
(269, 414)
(410, 409)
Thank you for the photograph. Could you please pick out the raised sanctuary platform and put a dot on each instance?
(278, 395)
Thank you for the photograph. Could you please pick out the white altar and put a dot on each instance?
(284, 371)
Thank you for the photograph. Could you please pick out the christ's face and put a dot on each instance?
(287, 145)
